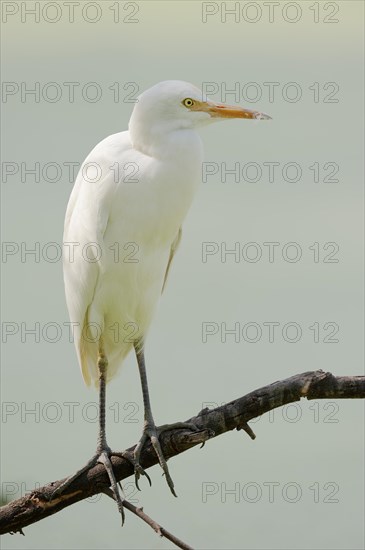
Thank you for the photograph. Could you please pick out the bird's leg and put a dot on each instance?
(103, 451)
(150, 431)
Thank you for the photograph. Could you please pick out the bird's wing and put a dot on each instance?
(84, 248)
(173, 249)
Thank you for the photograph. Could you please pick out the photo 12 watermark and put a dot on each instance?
(70, 412)
(11, 490)
(270, 12)
(291, 172)
(273, 91)
(270, 252)
(292, 413)
(53, 332)
(270, 332)
(53, 252)
(252, 492)
(68, 92)
(70, 11)
(53, 172)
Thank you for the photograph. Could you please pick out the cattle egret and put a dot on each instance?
(122, 229)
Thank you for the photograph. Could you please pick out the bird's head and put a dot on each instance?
(175, 105)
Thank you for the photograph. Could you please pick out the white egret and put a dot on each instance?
(122, 229)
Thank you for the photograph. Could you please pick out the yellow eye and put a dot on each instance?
(188, 102)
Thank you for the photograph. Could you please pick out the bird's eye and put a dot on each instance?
(188, 102)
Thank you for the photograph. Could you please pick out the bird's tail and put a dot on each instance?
(88, 349)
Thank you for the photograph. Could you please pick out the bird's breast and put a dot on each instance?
(151, 208)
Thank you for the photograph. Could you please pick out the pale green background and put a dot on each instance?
(170, 41)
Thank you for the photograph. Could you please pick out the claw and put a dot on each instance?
(105, 460)
(138, 470)
(102, 456)
(153, 433)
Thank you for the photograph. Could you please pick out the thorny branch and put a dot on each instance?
(210, 423)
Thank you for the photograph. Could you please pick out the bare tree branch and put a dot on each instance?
(210, 423)
(161, 531)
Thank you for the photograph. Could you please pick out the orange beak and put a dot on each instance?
(227, 111)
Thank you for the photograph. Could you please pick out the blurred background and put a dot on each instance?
(297, 183)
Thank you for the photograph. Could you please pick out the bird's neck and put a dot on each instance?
(162, 141)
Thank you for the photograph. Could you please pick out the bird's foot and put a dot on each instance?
(102, 456)
(153, 432)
